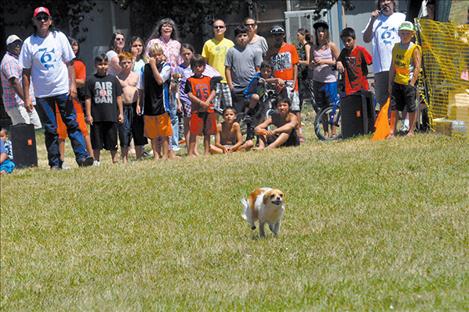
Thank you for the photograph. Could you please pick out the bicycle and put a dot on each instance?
(327, 123)
(263, 109)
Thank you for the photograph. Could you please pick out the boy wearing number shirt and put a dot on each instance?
(201, 92)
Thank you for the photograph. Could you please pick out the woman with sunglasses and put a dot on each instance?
(47, 58)
(255, 40)
(166, 35)
(116, 47)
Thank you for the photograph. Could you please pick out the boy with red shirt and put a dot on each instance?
(353, 63)
(201, 91)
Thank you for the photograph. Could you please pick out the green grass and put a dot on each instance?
(368, 226)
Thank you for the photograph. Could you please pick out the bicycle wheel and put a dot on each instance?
(243, 121)
(327, 124)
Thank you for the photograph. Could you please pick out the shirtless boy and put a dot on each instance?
(132, 126)
(229, 138)
(284, 133)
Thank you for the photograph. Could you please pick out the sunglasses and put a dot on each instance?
(249, 25)
(218, 27)
(119, 39)
(41, 18)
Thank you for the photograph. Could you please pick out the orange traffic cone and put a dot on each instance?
(383, 130)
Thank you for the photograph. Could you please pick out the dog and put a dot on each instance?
(265, 205)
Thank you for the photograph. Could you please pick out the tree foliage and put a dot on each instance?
(188, 14)
(327, 4)
(68, 15)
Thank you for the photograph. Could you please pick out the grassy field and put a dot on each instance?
(369, 226)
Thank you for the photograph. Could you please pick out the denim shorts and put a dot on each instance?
(325, 93)
(132, 127)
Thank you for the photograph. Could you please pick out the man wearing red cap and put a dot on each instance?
(46, 58)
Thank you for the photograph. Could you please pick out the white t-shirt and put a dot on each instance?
(110, 55)
(46, 57)
(385, 35)
(138, 66)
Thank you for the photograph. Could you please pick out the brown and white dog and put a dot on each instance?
(265, 205)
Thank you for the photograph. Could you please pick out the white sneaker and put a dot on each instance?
(405, 126)
(96, 163)
(65, 166)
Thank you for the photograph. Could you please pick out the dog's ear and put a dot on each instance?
(267, 197)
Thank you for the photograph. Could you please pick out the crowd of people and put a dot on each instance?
(161, 91)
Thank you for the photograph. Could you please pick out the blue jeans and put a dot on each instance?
(173, 115)
(325, 94)
(65, 105)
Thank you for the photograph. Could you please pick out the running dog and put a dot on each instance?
(265, 205)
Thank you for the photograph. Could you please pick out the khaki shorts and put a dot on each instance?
(20, 115)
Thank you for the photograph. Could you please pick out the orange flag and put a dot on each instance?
(383, 130)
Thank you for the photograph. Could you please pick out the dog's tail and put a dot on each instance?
(247, 213)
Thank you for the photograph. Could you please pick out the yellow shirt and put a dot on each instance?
(403, 62)
(215, 53)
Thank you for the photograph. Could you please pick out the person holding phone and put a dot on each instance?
(382, 32)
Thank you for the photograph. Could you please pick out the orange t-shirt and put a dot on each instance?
(201, 88)
(80, 69)
(80, 73)
(284, 61)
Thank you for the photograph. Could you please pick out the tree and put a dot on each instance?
(69, 15)
(191, 15)
(327, 4)
(188, 14)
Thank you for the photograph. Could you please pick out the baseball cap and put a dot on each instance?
(41, 10)
(13, 38)
(320, 24)
(407, 26)
(277, 29)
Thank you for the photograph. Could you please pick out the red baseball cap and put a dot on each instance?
(41, 10)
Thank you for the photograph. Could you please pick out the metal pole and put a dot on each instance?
(339, 15)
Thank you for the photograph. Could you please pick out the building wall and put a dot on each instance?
(101, 23)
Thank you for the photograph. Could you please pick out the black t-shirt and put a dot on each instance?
(103, 91)
(155, 94)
